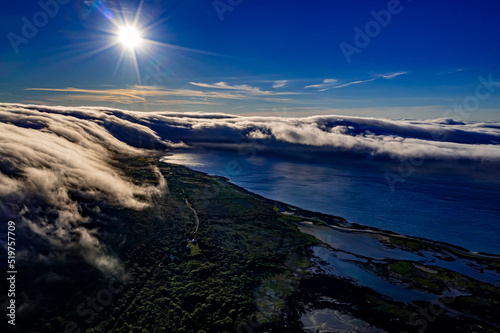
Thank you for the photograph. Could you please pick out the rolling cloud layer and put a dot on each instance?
(50, 155)
(47, 158)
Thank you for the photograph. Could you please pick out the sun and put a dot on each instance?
(130, 37)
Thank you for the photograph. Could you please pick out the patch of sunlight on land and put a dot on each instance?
(195, 249)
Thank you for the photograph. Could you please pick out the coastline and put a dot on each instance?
(423, 208)
(256, 262)
(406, 274)
(344, 225)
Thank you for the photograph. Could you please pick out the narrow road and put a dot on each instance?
(195, 216)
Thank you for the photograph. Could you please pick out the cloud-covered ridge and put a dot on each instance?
(47, 158)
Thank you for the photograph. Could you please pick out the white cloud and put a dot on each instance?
(279, 84)
(241, 88)
(327, 83)
(353, 83)
(330, 83)
(48, 153)
(157, 95)
(393, 75)
(165, 129)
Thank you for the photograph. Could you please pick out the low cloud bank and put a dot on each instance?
(49, 154)
(440, 139)
(48, 158)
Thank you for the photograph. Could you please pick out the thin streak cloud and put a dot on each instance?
(280, 84)
(353, 83)
(393, 75)
(241, 88)
(327, 83)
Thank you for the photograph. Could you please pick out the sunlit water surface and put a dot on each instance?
(438, 208)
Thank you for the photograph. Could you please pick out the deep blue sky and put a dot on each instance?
(425, 61)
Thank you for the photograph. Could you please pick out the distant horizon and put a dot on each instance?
(283, 113)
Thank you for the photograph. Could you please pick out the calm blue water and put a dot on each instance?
(456, 212)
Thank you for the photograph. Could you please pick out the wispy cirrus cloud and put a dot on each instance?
(279, 83)
(327, 83)
(152, 94)
(244, 88)
(122, 100)
(392, 75)
(118, 92)
(353, 83)
(331, 83)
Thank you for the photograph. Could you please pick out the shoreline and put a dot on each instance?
(355, 227)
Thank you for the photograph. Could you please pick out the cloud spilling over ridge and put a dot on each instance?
(47, 154)
(46, 158)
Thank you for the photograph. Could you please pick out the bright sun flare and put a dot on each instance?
(129, 36)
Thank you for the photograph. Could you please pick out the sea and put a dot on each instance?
(435, 207)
